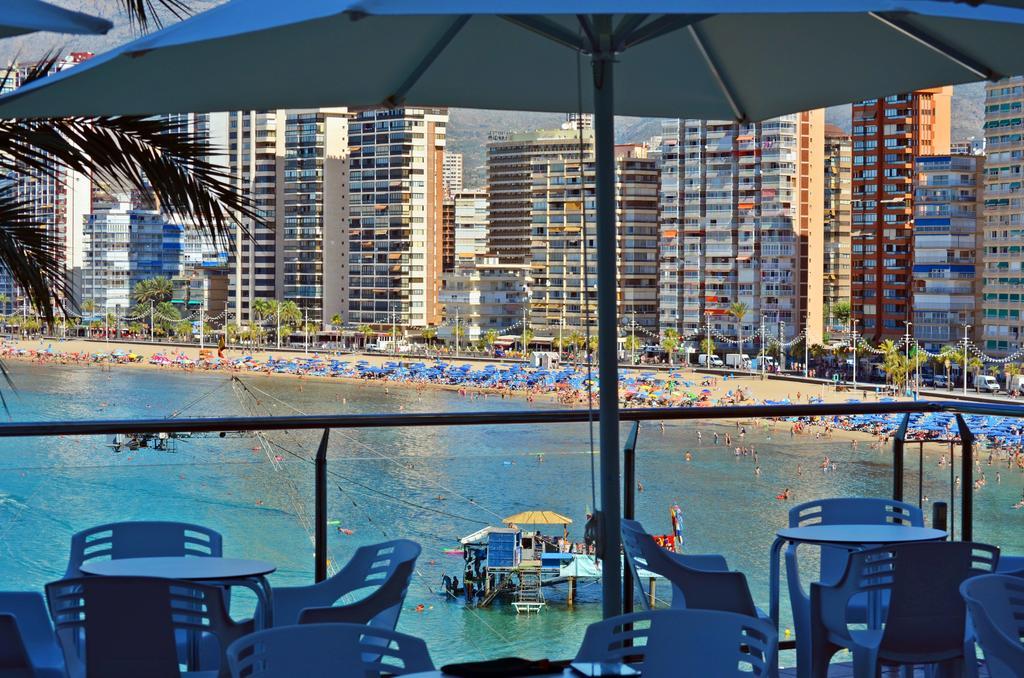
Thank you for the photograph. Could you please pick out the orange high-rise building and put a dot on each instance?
(887, 135)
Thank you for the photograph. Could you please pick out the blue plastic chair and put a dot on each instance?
(995, 606)
(836, 511)
(141, 539)
(1008, 565)
(924, 621)
(146, 539)
(691, 642)
(381, 571)
(125, 627)
(27, 641)
(699, 582)
(326, 651)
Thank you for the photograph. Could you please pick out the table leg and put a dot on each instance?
(773, 580)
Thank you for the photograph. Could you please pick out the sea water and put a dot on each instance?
(433, 485)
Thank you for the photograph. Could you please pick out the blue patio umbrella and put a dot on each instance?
(28, 16)
(742, 60)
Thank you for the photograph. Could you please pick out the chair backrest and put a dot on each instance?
(141, 539)
(692, 588)
(28, 628)
(128, 623)
(13, 653)
(925, 615)
(995, 603)
(851, 511)
(383, 571)
(327, 650)
(707, 642)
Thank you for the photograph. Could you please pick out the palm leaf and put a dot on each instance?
(150, 154)
(33, 256)
(143, 13)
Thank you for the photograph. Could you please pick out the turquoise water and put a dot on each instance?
(387, 484)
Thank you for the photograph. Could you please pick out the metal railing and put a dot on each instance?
(359, 421)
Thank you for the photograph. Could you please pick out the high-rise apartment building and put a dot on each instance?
(1002, 256)
(255, 147)
(743, 206)
(509, 180)
(946, 240)
(59, 197)
(838, 165)
(312, 254)
(470, 223)
(888, 133)
(453, 172)
(563, 250)
(294, 166)
(395, 206)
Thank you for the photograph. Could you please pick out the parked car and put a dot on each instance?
(940, 381)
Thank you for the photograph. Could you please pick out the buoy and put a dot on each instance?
(788, 633)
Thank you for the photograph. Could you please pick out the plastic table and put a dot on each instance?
(853, 536)
(250, 574)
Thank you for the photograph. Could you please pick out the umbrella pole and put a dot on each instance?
(607, 314)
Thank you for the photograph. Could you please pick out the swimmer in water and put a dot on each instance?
(688, 456)
(716, 437)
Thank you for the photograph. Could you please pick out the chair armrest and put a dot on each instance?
(726, 591)
(707, 563)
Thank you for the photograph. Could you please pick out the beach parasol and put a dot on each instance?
(741, 60)
(537, 517)
(540, 517)
(28, 16)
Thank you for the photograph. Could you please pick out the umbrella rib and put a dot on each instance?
(657, 28)
(548, 29)
(398, 96)
(716, 72)
(626, 26)
(938, 46)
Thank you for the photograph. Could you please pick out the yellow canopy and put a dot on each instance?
(538, 518)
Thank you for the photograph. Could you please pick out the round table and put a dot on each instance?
(851, 536)
(251, 574)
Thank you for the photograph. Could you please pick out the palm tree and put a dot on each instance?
(670, 342)
(88, 307)
(336, 322)
(367, 332)
(490, 336)
(429, 333)
(739, 310)
(154, 156)
(631, 343)
(153, 291)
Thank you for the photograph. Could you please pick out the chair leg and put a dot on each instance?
(865, 662)
(821, 655)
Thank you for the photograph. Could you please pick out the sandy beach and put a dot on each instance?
(767, 389)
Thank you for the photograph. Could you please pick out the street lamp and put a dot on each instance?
(966, 360)
(906, 349)
(853, 347)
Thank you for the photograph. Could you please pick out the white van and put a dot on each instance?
(706, 360)
(737, 360)
(985, 383)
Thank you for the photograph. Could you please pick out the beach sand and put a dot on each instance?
(767, 389)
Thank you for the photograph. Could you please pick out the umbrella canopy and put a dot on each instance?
(537, 518)
(741, 60)
(28, 16)
(522, 55)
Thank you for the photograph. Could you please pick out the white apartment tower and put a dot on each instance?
(509, 178)
(395, 216)
(453, 172)
(293, 163)
(1002, 258)
(743, 208)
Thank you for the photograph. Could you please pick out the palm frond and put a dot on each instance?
(149, 154)
(39, 69)
(33, 256)
(146, 13)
